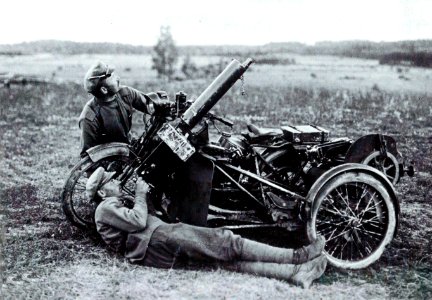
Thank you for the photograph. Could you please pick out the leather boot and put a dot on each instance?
(259, 252)
(302, 275)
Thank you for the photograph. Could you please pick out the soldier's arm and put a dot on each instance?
(140, 101)
(113, 214)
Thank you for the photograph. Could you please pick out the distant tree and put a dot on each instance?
(188, 67)
(165, 54)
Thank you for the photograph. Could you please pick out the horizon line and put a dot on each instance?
(216, 45)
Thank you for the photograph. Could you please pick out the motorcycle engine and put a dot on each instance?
(236, 144)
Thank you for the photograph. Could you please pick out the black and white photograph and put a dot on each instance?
(261, 149)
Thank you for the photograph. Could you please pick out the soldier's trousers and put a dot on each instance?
(172, 243)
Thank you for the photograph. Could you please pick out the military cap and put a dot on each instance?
(96, 73)
(96, 180)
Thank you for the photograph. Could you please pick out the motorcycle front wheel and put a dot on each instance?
(77, 208)
(355, 214)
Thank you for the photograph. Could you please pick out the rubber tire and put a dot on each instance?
(359, 177)
(69, 195)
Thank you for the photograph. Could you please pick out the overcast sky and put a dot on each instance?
(238, 22)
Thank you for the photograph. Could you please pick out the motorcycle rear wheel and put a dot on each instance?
(388, 165)
(77, 208)
(355, 214)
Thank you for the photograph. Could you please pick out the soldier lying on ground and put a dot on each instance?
(144, 239)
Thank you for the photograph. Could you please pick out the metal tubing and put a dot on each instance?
(214, 92)
(259, 178)
(238, 185)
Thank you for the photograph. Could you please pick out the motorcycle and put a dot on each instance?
(292, 177)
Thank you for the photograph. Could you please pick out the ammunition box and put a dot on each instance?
(305, 134)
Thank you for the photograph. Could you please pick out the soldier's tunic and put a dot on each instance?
(106, 122)
(147, 240)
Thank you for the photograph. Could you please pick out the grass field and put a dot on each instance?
(44, 257)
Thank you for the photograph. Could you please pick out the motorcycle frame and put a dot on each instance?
(223, 166)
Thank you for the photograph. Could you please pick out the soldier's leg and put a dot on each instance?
(255, 251)
(159, 254)
(302, 274)
(208, 244)
(222, 245)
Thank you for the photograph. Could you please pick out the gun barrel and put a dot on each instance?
(214, 92)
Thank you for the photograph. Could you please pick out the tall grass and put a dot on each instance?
(40, 143)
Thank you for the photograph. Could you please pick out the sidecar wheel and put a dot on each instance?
(389, 165)
(355, 214)
(76, 207)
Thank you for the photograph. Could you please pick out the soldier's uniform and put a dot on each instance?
(146, 240)
(106, 122)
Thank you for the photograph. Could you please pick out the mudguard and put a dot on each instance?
(99, 152)
(352, 167)
(367, 144)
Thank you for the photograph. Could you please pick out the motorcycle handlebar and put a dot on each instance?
(220, 119)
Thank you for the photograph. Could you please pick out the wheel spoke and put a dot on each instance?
(368, 247)
(329, 201)
(331, 246)
(343, 199)
(372, 224)
(391, 177)
(340, 234)
(389, 167)
(365, 192)
(370, 232)
(337, 245)
(357, 246)
(330, 223)
(329, 230)
(370, 237)
(328, 247)
(369, 202)
(331, 211)
(372, 220)
(333, 232)
(325, 231)
(371, 209)
(341, 252)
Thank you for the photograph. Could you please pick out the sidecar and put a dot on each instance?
(376, 150)
(336, 187)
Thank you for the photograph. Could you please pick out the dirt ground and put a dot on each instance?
(44, 257)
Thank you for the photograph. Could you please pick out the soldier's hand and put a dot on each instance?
(141, 186)
(163, 106)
